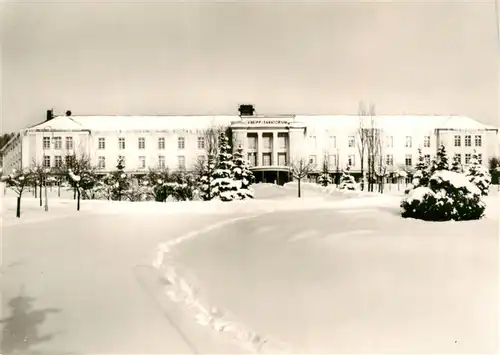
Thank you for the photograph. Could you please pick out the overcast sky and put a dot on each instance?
(206, 58)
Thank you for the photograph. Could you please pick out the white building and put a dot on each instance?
(271, 143)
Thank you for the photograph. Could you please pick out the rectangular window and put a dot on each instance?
(141, 143)
(427, 141)
(142, 162)
(46, 142)
(57, 143)
(458, 157)
(281, 140)
(351, 160)
(252, 159)
(332, 142)
(161, 161)
(102, 163)
(282, 159)
(101, 143)
(69, 143)
(121, 143)
(252, 142)
(478, 141)
(161, 143)
(408, 160)
(312, 159)
(458, 141)
(390, 141)
(467, 158)
(181, 162)
(266, 159)
(468, 141)
(350, 141)
(389, 159)
(408, 142)
(122, 158)
(312, 141)
(69, 160)
(427, 159)
(480, 158)
(181, 142)
(332, 160)
(46, 161)
(57, 161)
(201, 142)
(267, 140)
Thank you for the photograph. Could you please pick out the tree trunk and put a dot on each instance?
(40, 193)
(362, 171)
(18, 207)
(78, 199)
(36, 186)
(59, 189)
(298, 188)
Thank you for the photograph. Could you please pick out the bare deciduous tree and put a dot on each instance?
(361, 137)
(372, 146)
(38, 174)
(17, 181)
(299, 170)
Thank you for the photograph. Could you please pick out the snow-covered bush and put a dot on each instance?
(441, 161)
(242, 175)
(223, 185)
(118, 182)
(448, 196)
(347, 181)
(478, 175)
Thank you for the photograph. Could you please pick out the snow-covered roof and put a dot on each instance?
(134, 123)
(395, 122)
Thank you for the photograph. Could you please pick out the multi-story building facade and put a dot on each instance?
(271, 143)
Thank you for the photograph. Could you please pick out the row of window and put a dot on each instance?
(57, 142)
(478, 141)
(351, 141)
(252, 158)
(101, 161)
(389, 159)
(141, 143)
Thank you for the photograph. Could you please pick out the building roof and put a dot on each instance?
(134, 123)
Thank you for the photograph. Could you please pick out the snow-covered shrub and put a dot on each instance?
(223, 185)
(118, 182)
(448, 196)
(478, 175)
(347, 181)
(242, 175)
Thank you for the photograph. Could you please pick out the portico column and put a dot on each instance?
(259, 149)
(275, 149)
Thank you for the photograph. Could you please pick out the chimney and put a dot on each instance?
(246, 110)
(68, 113)
(50, 114)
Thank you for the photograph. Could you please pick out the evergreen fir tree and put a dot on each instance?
(242, 175)
(441, 160)
(206, 179)
(324, 179)
(223, 184)
(478, 175)
(118, 181)
(456, 166)
(422, 174)
(347, 181)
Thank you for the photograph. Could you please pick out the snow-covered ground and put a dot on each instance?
(331, 272)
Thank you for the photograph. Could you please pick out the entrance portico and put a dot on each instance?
(270, 143)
